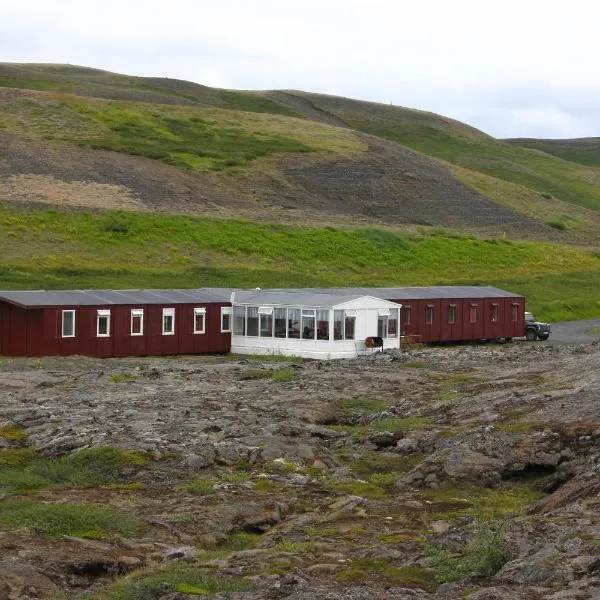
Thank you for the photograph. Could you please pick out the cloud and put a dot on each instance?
(489, 64)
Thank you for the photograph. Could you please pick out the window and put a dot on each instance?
(494, 313)
(382, 322)
(199, 320)
(103, 323)
(280, 322)
(338, 324)
(515, 313)
(168, 321)
(473, 313)
(452, 314)
(265, 314)
(406, 314)
(322, 324)
(225, 319)
(343, 324)
(239, 320)
(349, 323)
(137, 321)
(308, 324)
(429, 314)
(68, 323)
(252, 321)
(393, 323)
(294, 323)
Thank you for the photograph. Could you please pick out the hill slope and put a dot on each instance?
(585, 151)
(244, 152)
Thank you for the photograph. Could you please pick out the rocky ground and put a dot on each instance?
(430, 473)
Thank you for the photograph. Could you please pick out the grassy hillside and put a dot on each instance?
(58, 249)
(467, 147)
(585, 151)
(84, 81)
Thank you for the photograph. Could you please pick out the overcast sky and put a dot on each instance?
(526, 68)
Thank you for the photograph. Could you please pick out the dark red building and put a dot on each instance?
(458, 313)
(107, 323)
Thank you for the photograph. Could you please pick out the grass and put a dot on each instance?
(281, 375)
(189, 137)
(184, 579)
(470, 149)
(12, 433)
(365, 569)
(23, 471)
(482, 556)
(78, 520)
(55, 249)
(485, 504)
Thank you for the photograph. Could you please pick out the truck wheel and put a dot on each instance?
(544, 337)
(531, 335)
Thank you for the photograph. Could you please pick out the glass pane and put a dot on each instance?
(406, 315)
(429, 315)
(136, 324)
(167, 323)
(266, 325)
(322, 324)
(280, 326)
(68, 323)
(515, 312)
(382, 326)
(349, 327)
(239, 320)
(338, 324)
(102, 325)
(393, 323)
(294, 322)
(308, 327)
(199, 323)
(452, 314)
(252, 320)
(225, 322)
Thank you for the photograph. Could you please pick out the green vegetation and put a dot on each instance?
(12, 433)
(281, 375)
(55, 249)
(466, 147)
(24, 471)
(485, 504)
(483, 555)
(185, 579)
(121, 377)
(365, 568)
(584, 151)
(201, 138)
(79, 520)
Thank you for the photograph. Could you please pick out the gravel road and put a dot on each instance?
(575, 332)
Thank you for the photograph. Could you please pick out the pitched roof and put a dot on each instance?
(42, 298)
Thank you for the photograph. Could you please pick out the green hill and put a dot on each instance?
(109, 180)
(585, 151)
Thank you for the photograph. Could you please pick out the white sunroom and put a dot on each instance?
(312, 324)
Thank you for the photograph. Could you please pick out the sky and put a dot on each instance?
(526, 68)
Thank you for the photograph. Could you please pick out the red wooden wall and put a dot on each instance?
(37, 332)
(472, 319)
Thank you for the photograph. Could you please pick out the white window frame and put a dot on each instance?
(100, 314)
(137, 312)
(227, 310)
(62, 329)
(197, 312)
(168, 312)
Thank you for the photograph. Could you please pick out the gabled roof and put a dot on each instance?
(43, 298)
(292, 298)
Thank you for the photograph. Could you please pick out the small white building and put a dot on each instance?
(312, 324)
